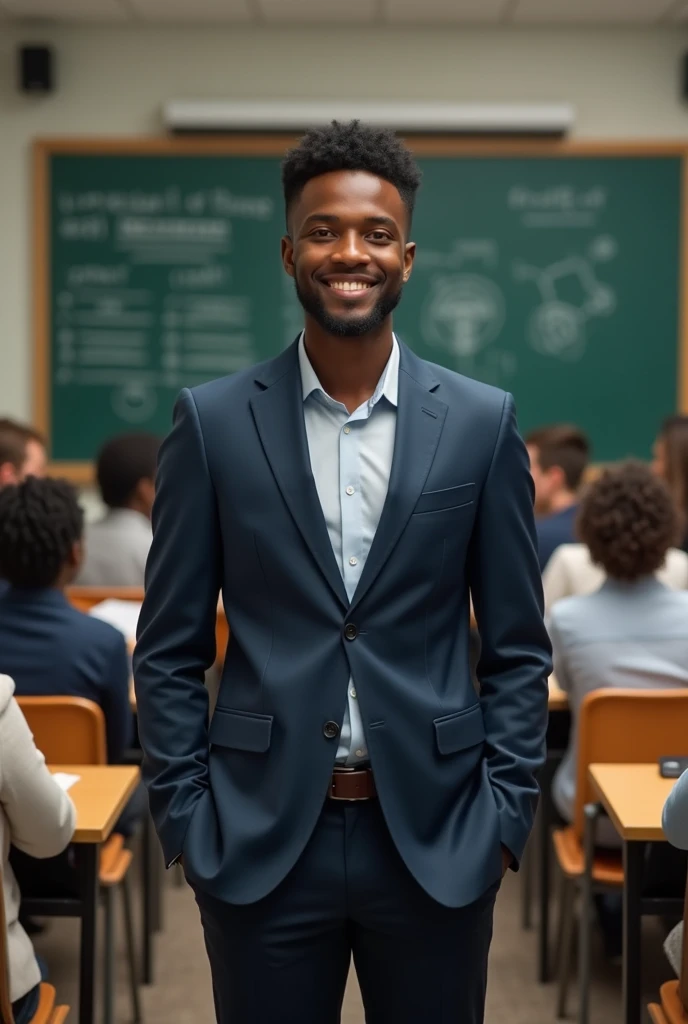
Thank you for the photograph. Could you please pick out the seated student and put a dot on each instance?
(670, 462)
(571, 571)
(117, 545)
(675, 826)
(558, 459)
(46, 645)
(633, 631)
(37, 817)
(22, 452)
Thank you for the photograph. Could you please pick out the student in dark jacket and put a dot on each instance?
(559, 456)
(47, 646)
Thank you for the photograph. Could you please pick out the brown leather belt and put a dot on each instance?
(352, 784)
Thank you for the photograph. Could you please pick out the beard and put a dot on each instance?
(348, 326)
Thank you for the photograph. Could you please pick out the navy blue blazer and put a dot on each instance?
(51, 649)
(237, 510)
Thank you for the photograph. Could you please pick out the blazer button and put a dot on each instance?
(330, 730)
(350, 631)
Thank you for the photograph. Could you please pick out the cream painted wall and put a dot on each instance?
(624, 84)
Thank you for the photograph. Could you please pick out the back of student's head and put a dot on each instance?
(629, 521)
(673, 463)
(22, 452)
(563, 445)
(126, 470)
(41, 524)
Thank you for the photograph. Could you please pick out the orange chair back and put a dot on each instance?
(68, 730)
(85, 598)
(627, 726)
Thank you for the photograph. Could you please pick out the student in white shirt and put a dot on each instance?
(117, 545)
(36, 817)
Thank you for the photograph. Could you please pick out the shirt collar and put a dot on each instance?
(388, 384)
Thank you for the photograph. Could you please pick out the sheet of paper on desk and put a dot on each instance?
(123, 615)
(64, 780)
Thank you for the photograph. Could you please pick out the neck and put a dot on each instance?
(561, 501)
(348, 368)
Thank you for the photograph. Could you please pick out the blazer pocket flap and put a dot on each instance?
(460, 731)
(437, 501)
(241, 730)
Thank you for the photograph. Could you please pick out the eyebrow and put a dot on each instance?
(330, 218)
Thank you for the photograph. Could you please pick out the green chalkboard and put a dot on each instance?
(554, 276)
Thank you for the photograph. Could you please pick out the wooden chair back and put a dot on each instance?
(85, 598)
(68, 730)
(6, 1015)
(627, 726)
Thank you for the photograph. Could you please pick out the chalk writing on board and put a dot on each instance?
(462, 313)
(557, 325)
(557, 206)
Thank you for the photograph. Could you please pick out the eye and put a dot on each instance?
(322, 233)
(380, 236)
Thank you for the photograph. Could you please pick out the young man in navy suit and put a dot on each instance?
(351, 795)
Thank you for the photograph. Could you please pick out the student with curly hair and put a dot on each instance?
(351, 797)
(633, 631)
(47, 646)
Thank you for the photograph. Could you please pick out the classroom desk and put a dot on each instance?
(99, 797)
(633, 795)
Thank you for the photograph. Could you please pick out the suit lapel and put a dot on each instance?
(278, 415)
(420, 419)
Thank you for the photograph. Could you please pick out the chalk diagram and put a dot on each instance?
(557, 327)
(463, 313)
(134, 402)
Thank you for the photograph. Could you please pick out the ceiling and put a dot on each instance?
(630, 13)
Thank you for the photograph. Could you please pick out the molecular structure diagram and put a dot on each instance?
(557, 327)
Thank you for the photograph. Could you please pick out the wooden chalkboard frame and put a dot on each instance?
(274, 145)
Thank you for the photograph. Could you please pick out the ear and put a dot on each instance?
(557, 477)
(8, 474)
(409, 257)
(288, 255)
(145, 494)
(75, 555)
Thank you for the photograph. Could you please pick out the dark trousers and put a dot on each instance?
(285, 959)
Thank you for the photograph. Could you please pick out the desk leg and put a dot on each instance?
(87, 871)
(633, 858)
(151, 898)
(544, 844)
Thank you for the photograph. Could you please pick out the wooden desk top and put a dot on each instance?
(558, 698)
(633, 795)
(99, 797)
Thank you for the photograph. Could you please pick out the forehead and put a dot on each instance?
(351, 194)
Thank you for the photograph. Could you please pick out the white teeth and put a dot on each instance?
(350, 286)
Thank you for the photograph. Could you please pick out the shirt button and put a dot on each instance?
(350, 490)
(360, 753)
(353, 561)
(347, 430)
(352, 693)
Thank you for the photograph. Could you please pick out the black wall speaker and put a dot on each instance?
(36, 69)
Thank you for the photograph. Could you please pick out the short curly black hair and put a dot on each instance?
(351, 147)
(40, 521)
(628, 520)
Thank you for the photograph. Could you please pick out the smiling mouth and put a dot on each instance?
(351, 289)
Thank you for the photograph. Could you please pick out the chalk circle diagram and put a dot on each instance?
(463, 313)
(556, 327)
(134, 402)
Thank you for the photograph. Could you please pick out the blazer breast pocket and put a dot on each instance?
(445, 503)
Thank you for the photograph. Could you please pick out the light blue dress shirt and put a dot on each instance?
(351, 459)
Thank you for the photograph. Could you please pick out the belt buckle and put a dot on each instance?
(346, 799)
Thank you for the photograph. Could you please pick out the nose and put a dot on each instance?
(351, 250)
